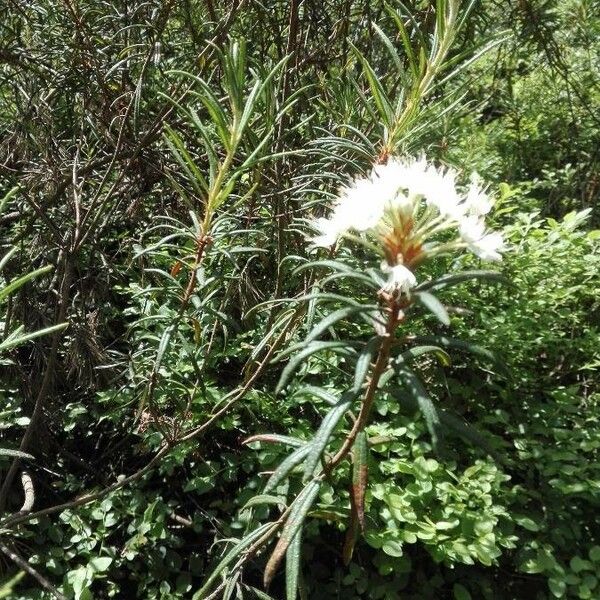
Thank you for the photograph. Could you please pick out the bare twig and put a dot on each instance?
(25, 566)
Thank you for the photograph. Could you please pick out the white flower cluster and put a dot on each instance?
(405, 205)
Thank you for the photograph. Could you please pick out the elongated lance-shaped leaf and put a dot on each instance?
(434, 306)
(258, 594)
(449, 342)
(382, 101)
(452, 423)
(187, 163)
(7, 197)
(292, 566)
(357, 495)
(164, 343)
(416, 351)
(17, 283)
(16, 338)
(294, 523)
(285, 468)
(237, 549)
(311, 349)
(339, 268)
(453, 279)
(280, 323)
(363, 362)
(7, 257)
(351, 536)
(359, 476)
(426, 406)
(390, 48)
(275, 438)
(464, 61)
(305, 297)
(316, 346)
(15, 453)
(318, 392)
(362, 277)
(404, 35)
(248, 109)
(264, 499)
(217, 115)
(312, 306)
(323, 435)
(333, 318)
(207, 142)
(231, 586)
(257, 91)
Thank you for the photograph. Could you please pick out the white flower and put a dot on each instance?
(405, 206)
(329, 230)
(477, 201)
(407, 176)
(472, 228)
(359, 207)
(484, 244)
(400, 278)
(489, 247)
(441, 193)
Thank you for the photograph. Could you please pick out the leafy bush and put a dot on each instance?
(165, 160)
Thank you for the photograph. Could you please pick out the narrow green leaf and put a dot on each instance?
(453, 279)
(453, 424)
(333, 318)
(383, 103)
(426, 406)
(318, 392)
(217, 115)
(312, 306)
(390, 48)
(264, 499)
(229, 557)
(15, 453)
(15, 339)
(364, 361)
(448, 342)
(186, 162)
(231, 586)
(314, 346)
(351, 536)
(248, 109)
(404, 36)
(292, 566)
(464, 64)
(10, 194)
(17, 283)
(208, 143)
(163, 345)
(284, 469)
(359, 476)
(321, 439)
(7, 257)
(259, 594)
(434, 306)
(298, 359)
(294, 523)
(416, 351)
(275, 438)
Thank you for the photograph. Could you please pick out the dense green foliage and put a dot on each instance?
(168, 338)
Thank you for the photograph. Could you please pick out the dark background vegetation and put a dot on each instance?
(96, 114)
